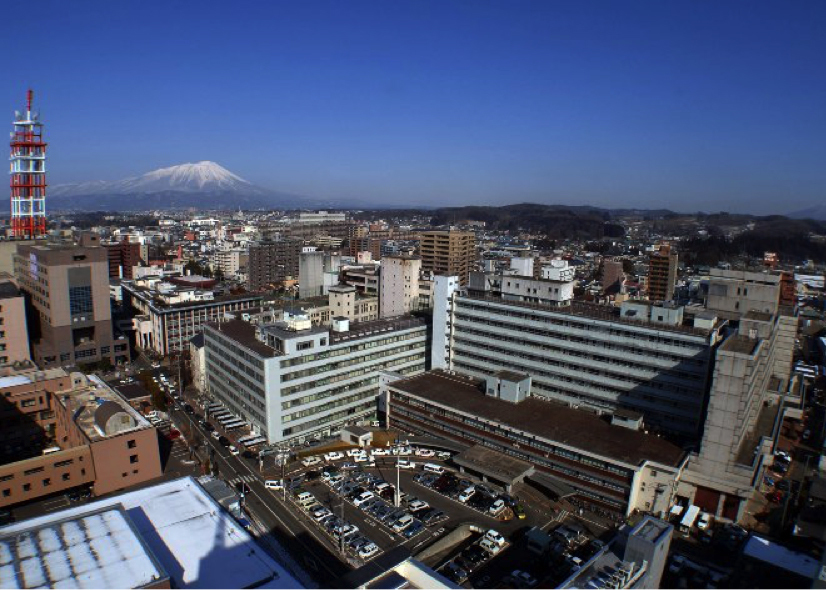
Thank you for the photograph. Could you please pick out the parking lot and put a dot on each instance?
(352, 499)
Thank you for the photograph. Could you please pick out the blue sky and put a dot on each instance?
(688, 105)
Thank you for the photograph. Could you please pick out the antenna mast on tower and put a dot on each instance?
(28, 174)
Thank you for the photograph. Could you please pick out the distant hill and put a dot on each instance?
(817, 212)
(202, 185)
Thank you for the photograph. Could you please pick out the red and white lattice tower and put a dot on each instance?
(28, 174)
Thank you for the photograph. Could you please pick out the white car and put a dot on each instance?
(274, 484)
(497, 507)
(489, 546)
(354, 452)
(704, 522)
(380, 452)
(417, 505)
(402, 451)
(360, 458)
(443, 455)
(310, 461)
(495, 537)
(234, 450)
(425, 453)
(405, 464)
(215, 434)
(333, 456)
(368, 550)
(363, 497)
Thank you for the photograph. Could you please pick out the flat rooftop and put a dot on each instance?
(740, 344)
(91, 406)
(596, 312)
(493, 463)
(8, 289)
(548, 420)
(193, 538)
(100, 549)
(365, 329)
(244, 334)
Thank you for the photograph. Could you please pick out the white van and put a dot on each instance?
(433, 468)
(304, 498)
(467, 494)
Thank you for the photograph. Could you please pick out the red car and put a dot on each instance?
(173, 434)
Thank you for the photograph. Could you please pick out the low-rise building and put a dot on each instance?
(608, 465)
(98, 440)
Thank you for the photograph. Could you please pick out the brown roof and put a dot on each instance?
(549, 420)
(244, 334)
(739, 344)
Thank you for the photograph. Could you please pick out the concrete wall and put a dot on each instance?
(114, 466)
(28, 480)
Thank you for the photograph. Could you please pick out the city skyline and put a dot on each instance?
(639, 105)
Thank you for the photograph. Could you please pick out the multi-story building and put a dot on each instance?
(365, 278)
(168, 316)
(230, 262)
(399, 291)
(14, 335)
(449, 253)
(291, 380)
(612, 275)
(273, 262)
(67, 287)
(583, 355)
(123, 256)
(314, 270)
(752, 371)
(662, 273)
(90, 437)
(732, 293)
(613, 466)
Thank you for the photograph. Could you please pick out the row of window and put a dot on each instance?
(344, 350)
(615, 330)
(307, 399)
(359, 360)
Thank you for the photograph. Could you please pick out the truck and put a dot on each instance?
(687, 523)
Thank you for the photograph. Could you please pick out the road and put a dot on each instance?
(280, 521)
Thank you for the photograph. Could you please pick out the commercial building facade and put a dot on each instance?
(399, 291)
(167, 319)
(291, 381)
(67, 287)
(14, 334)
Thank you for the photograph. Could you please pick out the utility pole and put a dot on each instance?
(398, 495)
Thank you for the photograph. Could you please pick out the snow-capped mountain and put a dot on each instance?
(201, 177)
(201, 184)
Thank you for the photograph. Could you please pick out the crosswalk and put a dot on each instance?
(561, 516)
(244, 478)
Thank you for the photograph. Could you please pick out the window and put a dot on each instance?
(7, 477)
(66, 477)
(27, 487)
(304, 345)
(130, 444)
(133, 459)
(47, 481)
(27, 403)
(33, 471)
(80, 300)
(6, 493)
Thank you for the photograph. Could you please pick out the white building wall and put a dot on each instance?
(443, 290)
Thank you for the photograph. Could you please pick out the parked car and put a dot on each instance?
(495, 537)
(224, 441)
(519, 512)
(367, 551)
(704, 522)
(363, 497)
(497, 507)
(413, 530)
(523, 579)
(490, 546)
(310, 461)
(234, 450)
(333, 456)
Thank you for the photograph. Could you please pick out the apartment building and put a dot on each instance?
(231, 263)
(662, 273)
(583, 355)
(273, 262)
(167, 316)
(291, 380)
(609, 465)
(123, 257)
(67, 288)
(91, 437)
(449, 253)
(14, 334)
(399, 290)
